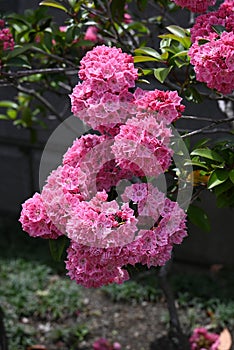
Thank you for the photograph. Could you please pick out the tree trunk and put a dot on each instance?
(178, 339)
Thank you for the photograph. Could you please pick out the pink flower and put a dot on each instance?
(213, 62)
(35, 220)
(195, 5)
(6, 38)
(201, 339)
(203, 27)
(81, 198)
(91, 34)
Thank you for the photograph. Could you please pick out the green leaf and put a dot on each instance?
(8, 104)
(3, 117)
(193, 95)
(231, 175)
(218, 28)
(148, 51)
(52, 3)
(186, 42)
(147, 71)
(180, 54)
(196, 163)
(162, 73)
(217, 177)
(138, 59)
(181, 32)
(198, 217)
(12, 113)
(18, 62)
(207, 153)
(57, 247)
(201, 142)
(225, 186)
(203, 41)
(18, 50)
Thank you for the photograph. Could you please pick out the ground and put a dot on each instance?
(47, 309)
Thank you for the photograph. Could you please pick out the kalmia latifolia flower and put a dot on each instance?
(6, 38)
(214, 62)
(203, 26)
(212, 52)
(99, 196)
(201, 339)
(195, 5)
(35, 221)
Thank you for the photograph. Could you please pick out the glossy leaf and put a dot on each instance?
(148, 51)
(217, 177)
(207, 153)
(198, 217)
(196, 163)
(8, 104)
(162, 73)
(181, 32)
(138, 59)
(52, 3)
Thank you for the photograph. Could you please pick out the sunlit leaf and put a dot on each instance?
(144, 59)
(148, 51)
(8, 104)
(52, 3)
(207, 153)
(177, 31)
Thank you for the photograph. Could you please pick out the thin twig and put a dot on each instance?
(24, 73)
(41, 99)
(213, 131)
(207, 127)
(57, 58)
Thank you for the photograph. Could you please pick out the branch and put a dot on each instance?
(24, 73)
(41, 99)
(213, 131)
(57, 58)
(207, 127)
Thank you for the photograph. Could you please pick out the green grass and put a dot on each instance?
(29, 291)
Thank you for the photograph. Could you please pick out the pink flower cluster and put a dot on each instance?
(195, 5)
(104, 344)
(211, 53)
(214, 62)
(103, 97)
(98, 196)
(35, 221)
(6, 38)
(224, 17)
(201, 339)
